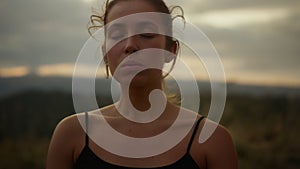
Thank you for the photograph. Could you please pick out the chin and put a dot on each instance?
(138, 80)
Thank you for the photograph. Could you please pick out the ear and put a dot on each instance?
(173, 49)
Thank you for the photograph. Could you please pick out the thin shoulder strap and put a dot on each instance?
(194, 133)
(86, 129)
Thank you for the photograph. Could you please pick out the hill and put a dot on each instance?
(263, 121)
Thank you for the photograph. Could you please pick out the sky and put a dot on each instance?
(257, 41)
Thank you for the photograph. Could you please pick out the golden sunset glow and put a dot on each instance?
(17, 71)
(65, 70)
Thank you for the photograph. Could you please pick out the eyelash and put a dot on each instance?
(143, 35)
(148, 35)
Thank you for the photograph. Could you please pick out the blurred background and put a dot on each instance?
(258, 43)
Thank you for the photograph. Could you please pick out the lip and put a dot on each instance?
(132, 64)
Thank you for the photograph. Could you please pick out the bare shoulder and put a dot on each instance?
(219, 134)
(71, 130)
(214, 144)
(70, 125)
(67, 140)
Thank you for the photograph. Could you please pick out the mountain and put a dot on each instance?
(10, 86)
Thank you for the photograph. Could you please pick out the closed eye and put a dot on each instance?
(148, 35)
(116, 31)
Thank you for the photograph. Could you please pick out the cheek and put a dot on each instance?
(114, 58)
(158, 42)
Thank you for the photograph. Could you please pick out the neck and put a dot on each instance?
(138, 96)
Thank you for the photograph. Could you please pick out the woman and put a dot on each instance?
(71, 146)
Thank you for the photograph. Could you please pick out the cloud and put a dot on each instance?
(35, 32)
(255, 38)
(202, 6)
(253, 44)
(240, 17)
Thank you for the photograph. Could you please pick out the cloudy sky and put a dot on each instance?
(258, 41)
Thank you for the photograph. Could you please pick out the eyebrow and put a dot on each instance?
(140, 24)
(147, 23)
(115, 25)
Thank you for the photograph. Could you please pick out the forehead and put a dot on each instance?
(139, 21)
(131, 14)
(124, 8)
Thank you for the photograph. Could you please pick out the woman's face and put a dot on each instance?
(120, 29)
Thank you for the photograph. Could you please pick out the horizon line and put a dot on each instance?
(228, 82)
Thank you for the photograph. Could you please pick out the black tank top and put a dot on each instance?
(89, 160)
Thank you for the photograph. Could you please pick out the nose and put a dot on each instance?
(131, 45)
